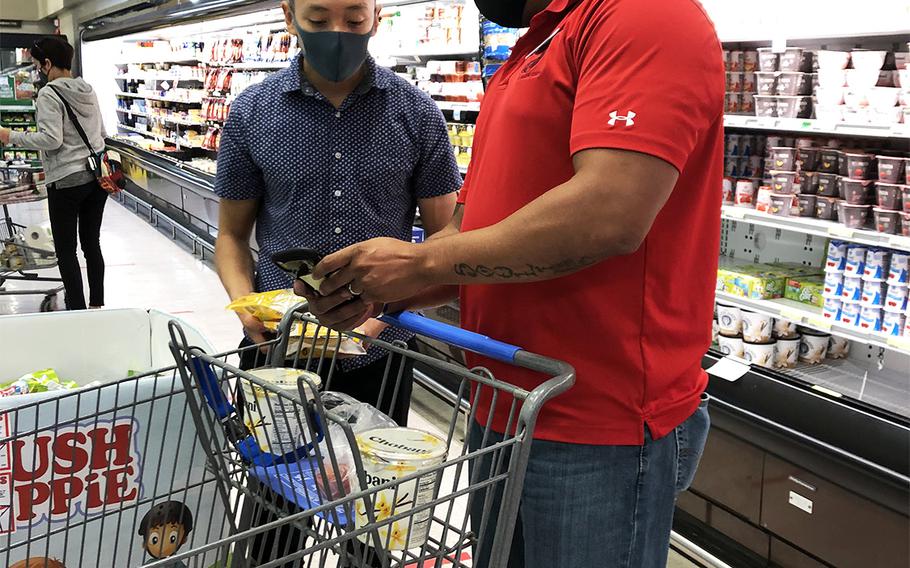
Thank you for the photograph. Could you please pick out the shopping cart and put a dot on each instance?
(18, 260)
(308, 493)
(81, 471)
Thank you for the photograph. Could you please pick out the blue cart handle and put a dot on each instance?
(480, 344)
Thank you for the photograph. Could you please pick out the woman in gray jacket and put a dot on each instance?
(74, 197)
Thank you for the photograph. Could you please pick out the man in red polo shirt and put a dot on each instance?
(589, 233)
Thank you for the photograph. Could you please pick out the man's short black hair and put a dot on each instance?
(57, 49)
(167, 513)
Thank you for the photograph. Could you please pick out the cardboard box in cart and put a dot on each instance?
(95, 476)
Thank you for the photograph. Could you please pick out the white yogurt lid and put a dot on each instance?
(401, 444)
(282, 377)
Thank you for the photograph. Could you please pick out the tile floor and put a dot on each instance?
(145, 269)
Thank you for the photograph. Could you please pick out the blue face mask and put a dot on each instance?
(334, 55)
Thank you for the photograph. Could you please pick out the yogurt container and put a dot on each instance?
(784, 329)
(836, 261)
(896, 298)
(893, 323)
(834, 285)
(856, 260)
(759, 353)
(389, 454)
(876, 266)
(890, 168)
(886, 221)
(873, 294)
(786, 352)
(730, 345)
(756, 327)
(849, 314)
(870, 319)
(852, 290)
(278, 423)
(832, 309)
(813, 348)
(899, 271)
(853, 216)
(838, 347)
(729, 319)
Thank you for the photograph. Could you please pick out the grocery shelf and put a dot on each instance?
(817, 227)
(463, 170)
(157, 98)
(11, 124)
(466, 107)
(174, 60)
(883, 388)
(433, 51)
(131, 112)
(134, 129)
(812, 126)
(811, 317)
(17, 108)
(161, 118)
(264, 65)
(157, 78)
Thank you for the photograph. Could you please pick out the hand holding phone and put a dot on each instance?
(299, 263)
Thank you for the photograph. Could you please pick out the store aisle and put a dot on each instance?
(145, 269)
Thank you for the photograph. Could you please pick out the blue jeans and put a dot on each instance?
(586, 506)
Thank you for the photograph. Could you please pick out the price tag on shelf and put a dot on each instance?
(819, 323)
(456, 114)
(737, 212)
(729, 369)
(900, 242)
(827, 391)
(900, 343)
(840, 231)
(792, 314)
(779, 44)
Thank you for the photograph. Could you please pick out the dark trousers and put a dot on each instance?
(364, 384)
(78, 209)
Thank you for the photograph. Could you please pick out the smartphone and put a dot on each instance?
(299, 263)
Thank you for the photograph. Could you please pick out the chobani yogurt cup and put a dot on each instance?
(899, 271)
(388, 454)
(836, 261)
(856, 260)
(278, 423)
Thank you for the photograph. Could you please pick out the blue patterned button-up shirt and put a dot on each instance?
(329, 178)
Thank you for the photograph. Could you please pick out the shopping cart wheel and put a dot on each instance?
(49, 304)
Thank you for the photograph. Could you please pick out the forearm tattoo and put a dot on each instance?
(527, 271)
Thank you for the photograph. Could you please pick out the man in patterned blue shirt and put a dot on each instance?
(330, 152)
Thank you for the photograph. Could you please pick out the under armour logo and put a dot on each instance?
(614, 116)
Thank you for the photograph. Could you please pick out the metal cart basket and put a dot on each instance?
(304, 490)
(18, 260)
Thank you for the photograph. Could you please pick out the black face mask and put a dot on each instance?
(506, 13)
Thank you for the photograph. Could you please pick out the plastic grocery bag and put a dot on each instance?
(38, 381)
(361, 417)
(309, 339)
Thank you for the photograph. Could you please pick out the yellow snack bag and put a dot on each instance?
(266, 306)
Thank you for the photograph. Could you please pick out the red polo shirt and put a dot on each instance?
(627, 74)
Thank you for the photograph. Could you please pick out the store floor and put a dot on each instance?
(145, 269)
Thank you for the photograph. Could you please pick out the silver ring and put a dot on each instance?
(351, 290)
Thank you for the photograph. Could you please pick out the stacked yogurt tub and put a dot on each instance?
(773, 342)
(867, 287)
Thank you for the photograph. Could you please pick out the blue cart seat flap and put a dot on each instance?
(296, 482)
(208, 384)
